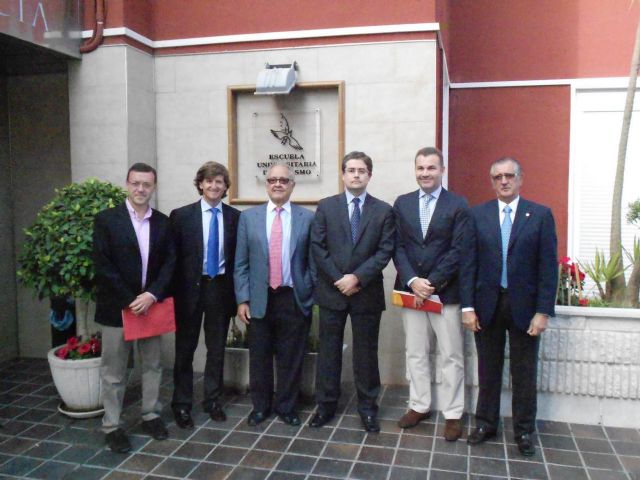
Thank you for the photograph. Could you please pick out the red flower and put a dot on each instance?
(62, 353)
(584, 302)
(72, 343)
(95, 346)
(84, 349)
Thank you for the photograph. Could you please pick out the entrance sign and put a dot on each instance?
(304, 129)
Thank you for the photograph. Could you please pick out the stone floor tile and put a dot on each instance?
(296, 463)
(327, 467)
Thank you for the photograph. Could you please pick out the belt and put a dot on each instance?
(280, 289)
(207, 278)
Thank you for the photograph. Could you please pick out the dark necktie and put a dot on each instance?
(355, 219)
(213, 245)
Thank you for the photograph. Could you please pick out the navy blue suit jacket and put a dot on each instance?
(436, 256)
(532, 266)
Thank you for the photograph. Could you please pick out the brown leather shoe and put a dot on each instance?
(452, 430)
(412, 418)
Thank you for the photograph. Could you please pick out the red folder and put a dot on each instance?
(158, 320)
(408, 300)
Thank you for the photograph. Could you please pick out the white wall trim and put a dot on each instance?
(261, 37)
(601, 82)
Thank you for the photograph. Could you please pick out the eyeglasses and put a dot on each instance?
(280, 180)
(359, 171)
(504, 176)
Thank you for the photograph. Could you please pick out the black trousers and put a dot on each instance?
(281, 332)
(365, 328)
(216, 324)
(523, 352)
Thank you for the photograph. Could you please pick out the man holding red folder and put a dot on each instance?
(430, 226)
(134, 259)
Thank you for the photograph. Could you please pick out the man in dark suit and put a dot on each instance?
(134, 260)
(431, 225)
(205, 237)
(274, 286)
(352, 241)
(509, 279)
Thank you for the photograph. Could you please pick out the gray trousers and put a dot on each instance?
(113, 375)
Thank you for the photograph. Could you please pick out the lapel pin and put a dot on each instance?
(527, 214)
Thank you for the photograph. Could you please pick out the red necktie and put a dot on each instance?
(275, 251)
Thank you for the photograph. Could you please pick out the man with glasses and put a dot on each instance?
(508, 284)
(352, 242)
(274, 285)
(134, 258)
(205, 237)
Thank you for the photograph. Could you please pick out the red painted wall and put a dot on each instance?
(530, 124)
(494, 40)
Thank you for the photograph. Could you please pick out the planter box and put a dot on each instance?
(236, 371)
(77, 382)
(588, 368)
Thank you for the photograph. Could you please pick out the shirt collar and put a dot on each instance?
(513, 204)
(351, 196)
(435, 194)
(206, 207)
(134, 214)
(272, 206)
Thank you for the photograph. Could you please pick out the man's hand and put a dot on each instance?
(348, 284)
(470, 321)
(244, 313)
(538, 324)
(142, 303)
(422, 288)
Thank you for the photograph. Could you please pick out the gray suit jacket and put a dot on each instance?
(251, 273)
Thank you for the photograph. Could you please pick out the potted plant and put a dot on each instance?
(56, 261)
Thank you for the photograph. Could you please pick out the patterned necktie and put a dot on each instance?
(213, 245)
(355, 219)
(425, 213)
(275, 251)
(505, 230)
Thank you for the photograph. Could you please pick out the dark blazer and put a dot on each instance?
(252, 260)
(118, 266)
(335, 254)
(436, 256)
(186, 228)
(532, 266)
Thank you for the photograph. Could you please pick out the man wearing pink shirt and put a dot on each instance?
(134, 258)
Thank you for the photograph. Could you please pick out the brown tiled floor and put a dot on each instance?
(37, 442)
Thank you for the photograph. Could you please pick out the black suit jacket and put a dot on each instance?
(532, 263)
(436, 256)
(336, 255)
(186, 228)
(118, 265)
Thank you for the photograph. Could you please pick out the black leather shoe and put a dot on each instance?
(525, 445)
(155, 428)
(321, 419)
(183, 418)
(256, 418)
(370, 423)
(217, 413)
(117, 441)
(290, 418)
(479, 435)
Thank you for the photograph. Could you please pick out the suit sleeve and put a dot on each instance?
(161, 286)
(547, 266)
(241, 270)
(468, 265)
(448, 266)
(107, 275)
(319, 246)
(400, 258)
(371, 268)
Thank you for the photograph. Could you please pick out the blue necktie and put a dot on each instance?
(505, 230)
(213, 245)
(355, 219)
